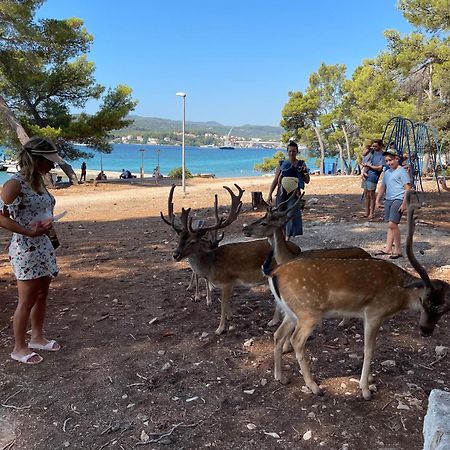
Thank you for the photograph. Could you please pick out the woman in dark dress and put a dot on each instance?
(290, 177)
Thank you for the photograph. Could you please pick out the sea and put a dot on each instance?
(223, 163)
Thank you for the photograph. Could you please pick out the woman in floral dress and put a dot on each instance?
(27, 210)
(290, 177)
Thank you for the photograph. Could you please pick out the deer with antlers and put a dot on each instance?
(271, 227)
(373, 289)
(228, 265)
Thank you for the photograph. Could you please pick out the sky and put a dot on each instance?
(235, 59)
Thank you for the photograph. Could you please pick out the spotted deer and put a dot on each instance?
(228, 265)
(271, 227)
(373, 289)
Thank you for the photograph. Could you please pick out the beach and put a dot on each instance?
(139, 354)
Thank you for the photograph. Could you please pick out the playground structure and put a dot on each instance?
(419, 145)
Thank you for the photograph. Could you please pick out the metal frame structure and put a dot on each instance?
(416, 141)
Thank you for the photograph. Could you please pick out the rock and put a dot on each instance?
(403, 406)
(436, 426)
(251, 426)
(441, 351)
(249, 342)
(144, 436)
(389, 363)
(312, 201)
(263, 381)
(272, 434)
(166, 366)
(307, 436)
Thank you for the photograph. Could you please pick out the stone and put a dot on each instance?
(436, 426)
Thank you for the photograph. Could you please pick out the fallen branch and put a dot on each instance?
(13, 395)
(165, 434)
(19, 408)
(65, 423)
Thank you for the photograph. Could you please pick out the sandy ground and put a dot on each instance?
(140, 356)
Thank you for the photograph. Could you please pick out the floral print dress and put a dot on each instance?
(31, 258)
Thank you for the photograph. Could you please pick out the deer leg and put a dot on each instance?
(191, 283)
(208, 293)
(298, 340)
(371, 328)
(280, 337)
(276, 316)
(197, 288)
(225, 307)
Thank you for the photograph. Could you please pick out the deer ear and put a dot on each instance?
(415, 285)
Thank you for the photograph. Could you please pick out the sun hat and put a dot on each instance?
(390, 152)
(289, 184)
(38, 146)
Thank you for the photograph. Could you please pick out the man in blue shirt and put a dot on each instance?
(374, 168)
(395, 183)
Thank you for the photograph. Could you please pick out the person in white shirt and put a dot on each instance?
(395, 183)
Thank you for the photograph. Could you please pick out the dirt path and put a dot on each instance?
(140, 356)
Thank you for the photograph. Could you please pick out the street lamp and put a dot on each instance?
(183, 151)
(142, 150)
(157, 153)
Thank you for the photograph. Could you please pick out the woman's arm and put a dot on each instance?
(10, 192)
(274, 184)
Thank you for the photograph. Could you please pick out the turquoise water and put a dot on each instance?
(223, 163)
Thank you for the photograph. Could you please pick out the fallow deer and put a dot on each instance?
(214, 240)
(271, 227)
(373, 289)
(226, 266)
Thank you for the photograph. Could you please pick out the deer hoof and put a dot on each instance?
(283, 379)
(316, 390)
(367, 394)
(220, 329)
(287, 347)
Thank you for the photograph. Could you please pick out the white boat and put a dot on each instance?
(11, 166)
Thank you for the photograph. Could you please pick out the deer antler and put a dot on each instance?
(411, 223)
(213, 236)
(171, 218)
(288, 210)
(236, 205)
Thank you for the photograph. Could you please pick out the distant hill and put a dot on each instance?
(157, 125)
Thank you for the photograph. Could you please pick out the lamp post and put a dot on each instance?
(157, 153)
(142, 150)
(183, 150)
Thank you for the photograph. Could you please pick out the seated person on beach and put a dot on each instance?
(101, 176)
(126, 174)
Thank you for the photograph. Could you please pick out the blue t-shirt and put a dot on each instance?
(395, 181)
(377, 160)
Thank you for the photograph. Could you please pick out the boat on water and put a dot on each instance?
(10, 166)
(227, 145)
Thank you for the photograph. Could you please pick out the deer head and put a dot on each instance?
(204, 238)
(273, 219)
(436, 298)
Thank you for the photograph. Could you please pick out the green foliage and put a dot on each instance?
(44, 73)
(270, 164)
(433, 15)
(372, 99)
(177, 172)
